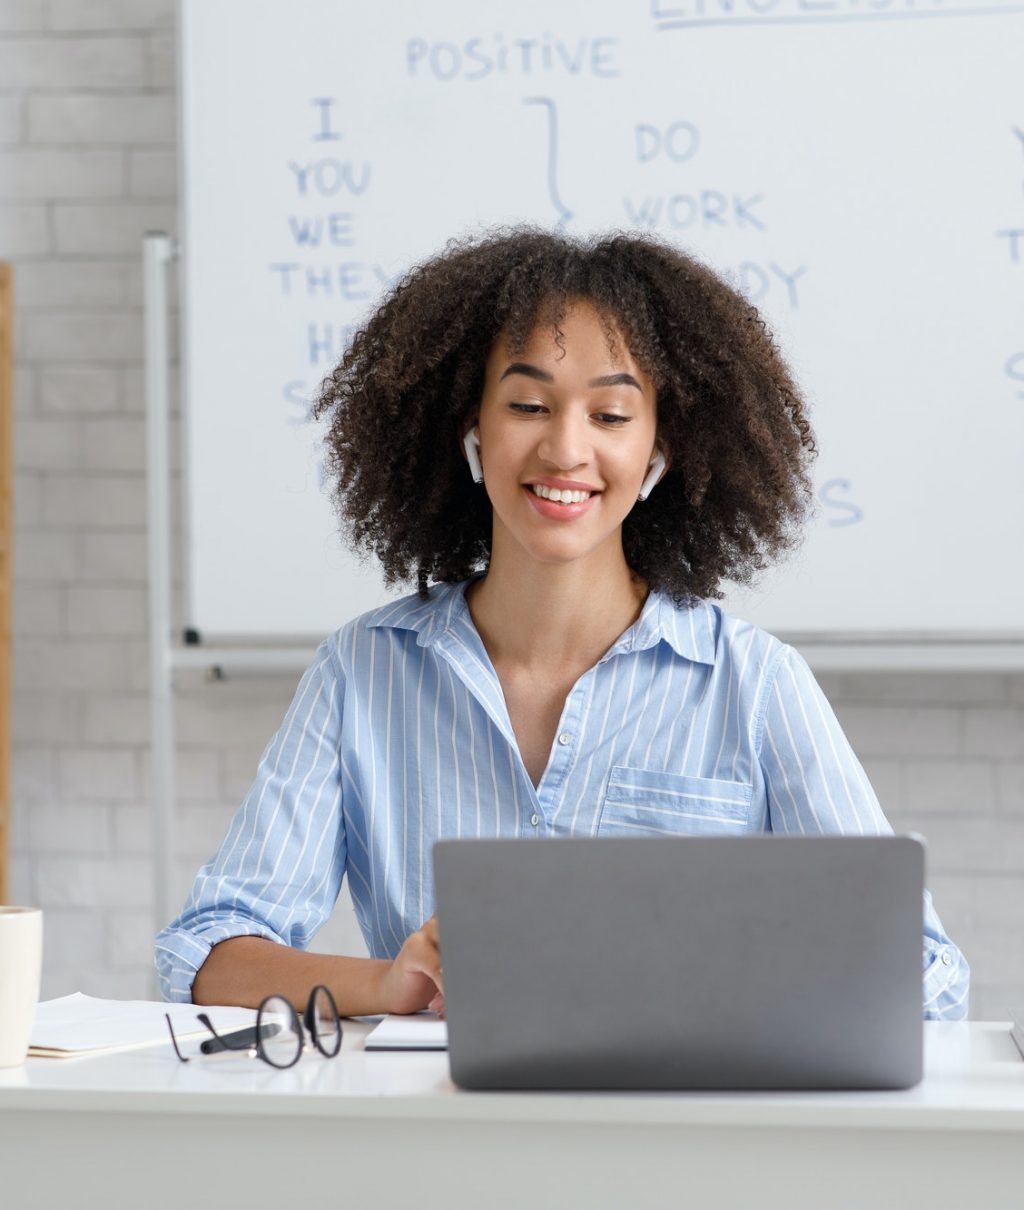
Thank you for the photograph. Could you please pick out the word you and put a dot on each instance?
(327, 176)
(478, 58)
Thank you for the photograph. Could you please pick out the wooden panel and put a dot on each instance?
(6, 573)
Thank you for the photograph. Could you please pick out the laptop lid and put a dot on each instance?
(758, 962)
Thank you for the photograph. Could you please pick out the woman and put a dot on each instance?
(574, 443)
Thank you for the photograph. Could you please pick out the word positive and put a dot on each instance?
(478, 58)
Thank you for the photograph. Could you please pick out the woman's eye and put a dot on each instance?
(612, 418)
(527, 409)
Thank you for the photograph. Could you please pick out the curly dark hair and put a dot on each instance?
(729, 414)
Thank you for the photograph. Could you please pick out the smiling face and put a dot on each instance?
(566, 438)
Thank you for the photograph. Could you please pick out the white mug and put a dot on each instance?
(21, 962)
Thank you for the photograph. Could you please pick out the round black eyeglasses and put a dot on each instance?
(278, 1037)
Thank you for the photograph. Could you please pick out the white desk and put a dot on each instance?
(140, 1129)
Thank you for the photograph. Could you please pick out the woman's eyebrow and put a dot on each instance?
(523, 367)
(608, 380)
(615, 380)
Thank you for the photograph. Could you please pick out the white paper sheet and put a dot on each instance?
(421, 1031)
(78, 1025)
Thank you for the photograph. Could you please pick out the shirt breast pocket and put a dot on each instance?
(642, 801)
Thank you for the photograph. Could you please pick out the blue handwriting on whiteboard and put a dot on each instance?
(326, 132)
(335, 229)
(351, 281)
(296, 394)
(795, 12)
(327, 342)
(1015, 236)
(758, 282)
(678, 141)
(1015, 372)
(478, 58)
(328, 176)
(830, 494)
(564, 213)
(708, 208)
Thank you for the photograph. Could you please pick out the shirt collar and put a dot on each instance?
(691, 632)
(428, 619)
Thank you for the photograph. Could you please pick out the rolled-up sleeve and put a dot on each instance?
(278, 873)
(816, 785)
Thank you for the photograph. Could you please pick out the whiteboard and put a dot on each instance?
(856, 167)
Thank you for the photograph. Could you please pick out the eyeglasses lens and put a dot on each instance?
(325, 1023)
(280, 1033)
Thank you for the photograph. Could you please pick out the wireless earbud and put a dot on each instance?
(471, 444)
(653, 475)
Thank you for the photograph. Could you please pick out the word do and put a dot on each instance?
(678, 141)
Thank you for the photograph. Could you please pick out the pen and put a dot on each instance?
(240, 1039)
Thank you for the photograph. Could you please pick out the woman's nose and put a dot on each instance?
(565, 444)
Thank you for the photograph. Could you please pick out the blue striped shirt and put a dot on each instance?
(692, 722)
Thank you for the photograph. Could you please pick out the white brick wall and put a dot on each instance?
(88, 161)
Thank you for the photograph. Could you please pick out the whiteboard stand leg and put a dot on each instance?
(158, 252)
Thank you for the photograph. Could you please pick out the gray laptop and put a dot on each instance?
(758, 962)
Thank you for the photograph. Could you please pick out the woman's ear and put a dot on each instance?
(658, 466)
(471, 447)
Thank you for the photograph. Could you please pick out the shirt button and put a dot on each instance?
(947, 958)
(565, 738)
(535, 820)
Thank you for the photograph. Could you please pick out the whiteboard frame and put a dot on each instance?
(924, 649)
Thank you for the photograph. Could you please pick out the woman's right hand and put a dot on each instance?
(414, 981)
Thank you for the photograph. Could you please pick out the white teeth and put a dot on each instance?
(560, 495)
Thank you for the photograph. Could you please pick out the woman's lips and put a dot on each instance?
(559, 512)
